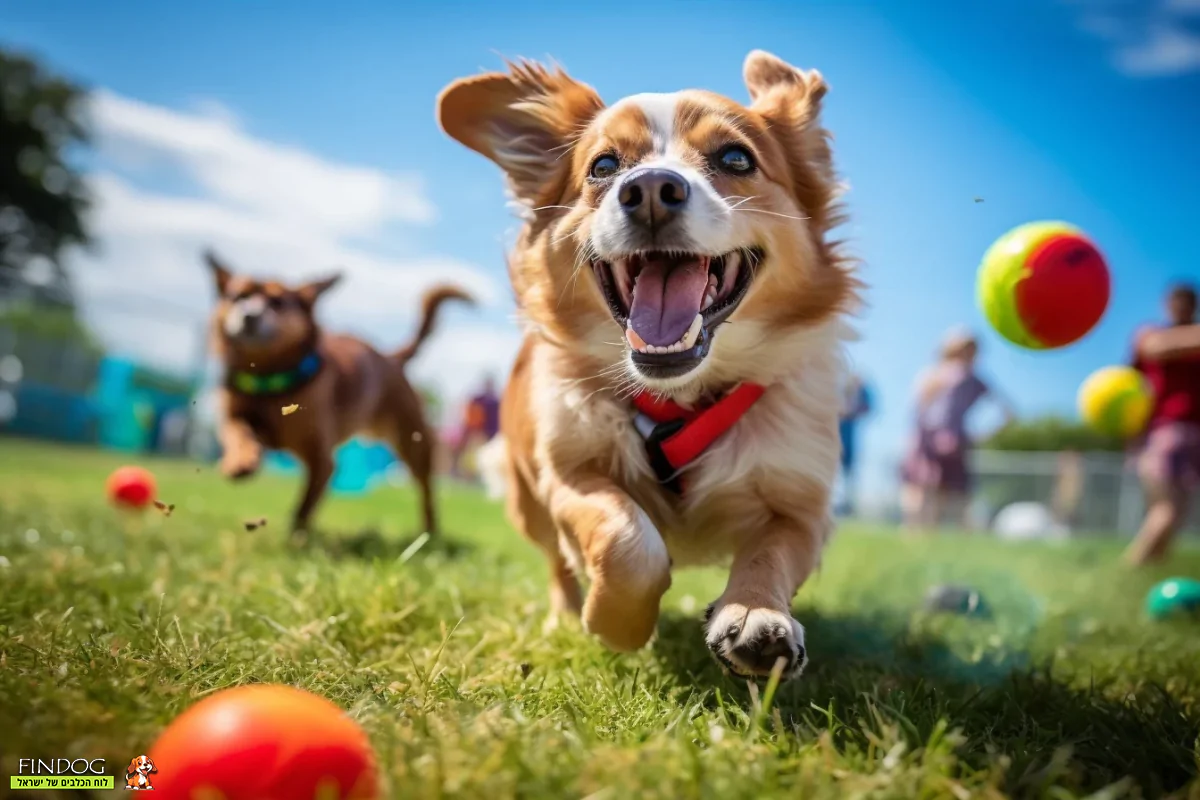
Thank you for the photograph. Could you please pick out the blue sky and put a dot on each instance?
(1084, 111)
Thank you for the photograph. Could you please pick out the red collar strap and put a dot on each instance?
(676, 436)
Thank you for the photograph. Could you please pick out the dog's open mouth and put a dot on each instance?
(670, 303)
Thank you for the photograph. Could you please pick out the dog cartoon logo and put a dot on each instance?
(137, 774)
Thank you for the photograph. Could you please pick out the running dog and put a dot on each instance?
(676, 397)
(291, 386)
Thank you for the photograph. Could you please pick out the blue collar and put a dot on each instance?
(276, 382)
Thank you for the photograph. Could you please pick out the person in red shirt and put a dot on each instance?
(1168, 459)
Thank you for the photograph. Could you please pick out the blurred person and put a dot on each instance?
(936, 472)
(1070, 480)
(481, 422)
(1168, 456)
(856, 406)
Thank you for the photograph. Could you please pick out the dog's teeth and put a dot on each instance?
(622, 280)
(693, 333)
(619, 269)
(685, 343)
(733, 263)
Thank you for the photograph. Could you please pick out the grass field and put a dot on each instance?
(112, 625)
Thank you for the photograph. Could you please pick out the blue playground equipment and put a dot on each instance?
(112, 402)
(359, 465)
(48, 412)
(132, 402)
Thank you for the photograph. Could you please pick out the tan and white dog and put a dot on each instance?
(137, 774)
(675, 400)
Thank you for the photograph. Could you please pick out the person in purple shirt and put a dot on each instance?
(936, 471)
(480, 425)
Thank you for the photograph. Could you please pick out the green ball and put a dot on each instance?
(1174, 597)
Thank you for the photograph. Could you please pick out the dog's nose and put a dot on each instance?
(653, 197)
(250, 322)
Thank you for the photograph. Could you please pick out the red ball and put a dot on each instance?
(132, 487)
(1066, 291)
(264, 742)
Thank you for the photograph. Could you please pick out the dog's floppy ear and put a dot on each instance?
(766, 74)
(221, 273)
(312, 290)
(524, 120)
(153, 767)
(790, 100)
(132, 768)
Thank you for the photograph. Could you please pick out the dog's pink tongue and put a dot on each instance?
(666, 298)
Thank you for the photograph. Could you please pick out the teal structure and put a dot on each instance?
(359, 465)
(132, 402)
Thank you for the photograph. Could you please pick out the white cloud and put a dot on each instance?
(271, 209)
(1147, 38)
(257, 176)
(1167, 50)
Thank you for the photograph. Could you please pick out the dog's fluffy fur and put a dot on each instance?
(357, 390)
(578, 480)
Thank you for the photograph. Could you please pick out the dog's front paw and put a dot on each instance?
(238, 464)
(749, 641)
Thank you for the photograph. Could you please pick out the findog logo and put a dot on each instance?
(61, 773)
(137, 774)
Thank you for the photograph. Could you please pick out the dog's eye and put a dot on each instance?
(274, 302)
(604, 167)
(736, 159)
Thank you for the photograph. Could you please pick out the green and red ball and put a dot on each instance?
(1044, 285)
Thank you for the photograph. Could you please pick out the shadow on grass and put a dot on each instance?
(862, 670)
(370, 544)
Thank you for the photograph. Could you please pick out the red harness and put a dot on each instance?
(676, 436)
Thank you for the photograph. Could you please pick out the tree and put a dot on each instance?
(1051, 434)
(42, 198)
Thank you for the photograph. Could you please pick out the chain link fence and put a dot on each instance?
(57, 383)
(1091, 494)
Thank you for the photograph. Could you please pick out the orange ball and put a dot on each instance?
(132, 487)
(264, 742)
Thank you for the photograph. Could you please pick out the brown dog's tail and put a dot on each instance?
(429, 307)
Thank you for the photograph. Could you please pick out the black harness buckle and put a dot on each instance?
(654, 434)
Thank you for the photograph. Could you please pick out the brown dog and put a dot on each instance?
(277, 358)
(676, 398)
(137, 774)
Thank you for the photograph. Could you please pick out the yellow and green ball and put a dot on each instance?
(1043, 285)
(1116, 401)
